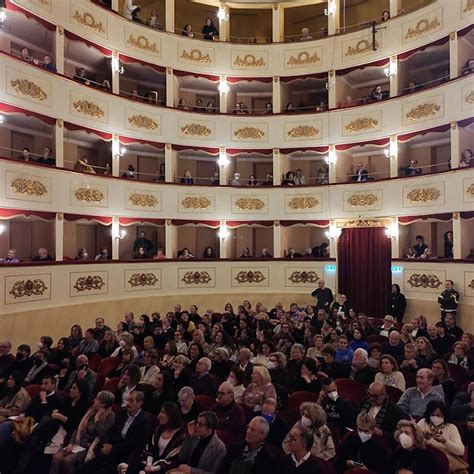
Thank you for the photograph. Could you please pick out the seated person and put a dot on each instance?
(39, 370)
(278, 425)
(360, 368)
(82, 372)
(26, 155)
(360, 174)
(468, 67)
(377, 94)
(467, 159)
(204, 383)
(185, 254)
(411, 362)
(42, 256)
(11, 257)
(394, 346)
(412, 169)
(81, 76)
(189, 408)
(246, 253)
(236, 180)
(289, 179)
(159, 255)
(292, 253)
(230, 416)
(265, 253)
(82, 165)
(420, 246)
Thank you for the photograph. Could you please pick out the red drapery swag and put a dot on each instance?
(103, 220)
(364, 269)
(6, 214)
(380, 142)
(318, 223)
(211, 224)
(444, 217)
(126, 221)
(72, 37)
(79, 128)
(12, 110)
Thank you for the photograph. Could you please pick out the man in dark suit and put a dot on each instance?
(323, 296)
(420, 246)
(360, 368)
(204, 383)
(129, 434)
(243, 359)
(360, 174)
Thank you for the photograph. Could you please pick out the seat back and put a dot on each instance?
(351, 390)
(441, 460)
(107, 365)
(33, 390)
(111, 385)
(460, 376)
(297, 398)
(393, 393)
(94, 361)
(376, 338)
(205, 402)
(410, 378)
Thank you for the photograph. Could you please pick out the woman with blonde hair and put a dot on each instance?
(426, 354)
(259, 389)
(389, 373)
(314, 419)
(198, 338)
(108, 344)
(406, 335)
(126, 342)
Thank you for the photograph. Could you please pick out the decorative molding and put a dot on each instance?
(303, 131)
(423, 111)
(348, 223)
(362, 46)
(470, 190)
(190, 278)
(303, 277)
(28, 88)
(469, 6)
(422, 27)
(424, 195)
(88, 283)
(88, 108)
(28, 288)
(143, 200)
(142, 279)
(249, 132)
(249, 60)
(250, 204)
(422, 280)
(196, 202)
(303, 59)
(361, 124)
(362, 200)
(250, 277)
(87, 20)
(59, 123)
(471, 285)
(303, 203)
(142, 121)
(88, 195)
(196, 56)
(30, 187)
(470, 97)
(196, 129)
(143, 43)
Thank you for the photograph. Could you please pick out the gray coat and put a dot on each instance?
(211, 457)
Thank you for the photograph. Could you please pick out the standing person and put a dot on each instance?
(128, 8)
(142, 241)
(323, 295)
(448, 244)
(209, 30)
(448, 300)
(397, 303)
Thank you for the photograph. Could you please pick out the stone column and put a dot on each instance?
(278, 23)
(59, 143)
(59, 236)
(276, 167)
(59, 49)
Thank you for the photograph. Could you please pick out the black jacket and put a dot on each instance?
(310, 466)
(448, 300)
(397, 305)
(341, 412)
(324, 297)
(38, 409)
(205, 385)
(265, 462)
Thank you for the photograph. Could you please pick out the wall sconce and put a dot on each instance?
(223, 86)
(118, 150)
(2, 118)
(116, 68)
(222, 14)
(333, 232)
(223, 232)
(331, 159)
(392, 230)
(387, 154)
(3, 16)
(120, 235)
(222, 161)
(2, 229)
(392, 69)
(331, 9)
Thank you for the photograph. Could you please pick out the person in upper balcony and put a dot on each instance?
(360, 174)
(268, 181)
(268, 109)
(467, 159)
(246, 253)
(130, 173)
(187, 178)
(81, 76)
(182, 104)
(252, 39)
(42, 256)
(159, 255)
(26, 55)
(188, 31)
(265, 253)
(199, 107)
(104, 254)
(185, 254)
(385, 16)
(11, 257)
(289, 109)
(47, 157)
(236, 180)
(448, 244)
(292, 253)
(322, 176)
(134, 94)
(82, 165)
(211, 107)
(468, 67)
(299, 177)
(209, 30)
(142, 241)
(377, 94)
(129, 8)
(412, 169)
(47, 64)
(26, 155)
(420, 246)
(82, 254)
(289, 179)
(105, 86)
(153, 21)
(413, 87)
(305, 36)
(252, 181)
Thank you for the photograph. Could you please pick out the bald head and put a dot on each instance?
(5, 347)
(376, 393)
(394, 338)
(225, 394)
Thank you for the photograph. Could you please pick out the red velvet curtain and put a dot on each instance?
(364, 269)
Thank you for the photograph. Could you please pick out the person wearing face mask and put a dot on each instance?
(443, 435)
(314, 418)
(362, 448)
(23, 360)
(411, 457)
(278, 425)
(39, 369)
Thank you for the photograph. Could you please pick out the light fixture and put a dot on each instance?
(333, 232)
(223, 86)
(3, 16)
(392, 230)
(331, 9)
(331, 159)
(386, 71)
(120, 235)
(222, 14)
(2, 118)
(223, 232)
(386, 152)
(116, 68)
(2, 229)
(222, 161)
(122, 151)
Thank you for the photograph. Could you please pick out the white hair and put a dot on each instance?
(363, 353)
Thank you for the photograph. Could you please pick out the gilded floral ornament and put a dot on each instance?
(88, 108)
(88, 283)
(28, 288)
(424, 195)
(423, 111)
(303, 59)
(362, 200)
(361, 124)
(362, 46)
(249, 60)
(303, 277)
(422, 27)
(470, 97)
(143, 200)
(196, 129)
(250, 204)
(195, 202)
(303, 203)
(422, 280)
(303, 131)
(470, 190)
(142, 121)
(471, 285)
(30, 187)
(469, 6)
(142, 279)
(143, 43)
(88, 195)
(249, 132)
(342, 223)
(196, 278)
(28, 88)
(87, 20)
(250, 277)
(196, 56)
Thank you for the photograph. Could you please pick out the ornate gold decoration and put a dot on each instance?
(303, 277)
(142, 42)
(142, 121)
(306, 131)
(143, 200)
(29, 88)
(196, 129)
(361, 124)
(470, 189)
(454, 125)
(88, 195)
(423, 26)
(28, 287)
(249, 60)
(362, 200)
(424, 195)
(89, 282)
(303, 59)
(422, 280)
(59, 216)
(455, 216)
(471, 285)
(249, 132)
(59, 123)
(423, 111)
(361, 47)
(142, 279)
(469, 6)
(196, 56)
(383, 222)
(87, 20)
(470, 98)
(303, 203)
(61, 30)
(31, 187)
(250, 277)
(195, 202)
(88, 108)
(196, 277)
(250, 204)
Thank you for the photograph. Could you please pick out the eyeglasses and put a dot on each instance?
(221, 394)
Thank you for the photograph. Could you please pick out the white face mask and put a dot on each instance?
(405, 441)
(436, 420)
(333, 395)
(305, 421)
(271, 365)
(122, 343)
(364, 437)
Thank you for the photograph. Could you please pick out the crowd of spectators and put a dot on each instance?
(424, 252)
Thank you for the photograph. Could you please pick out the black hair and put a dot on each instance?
(327, 381)
(432, 406)
(173, 413)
